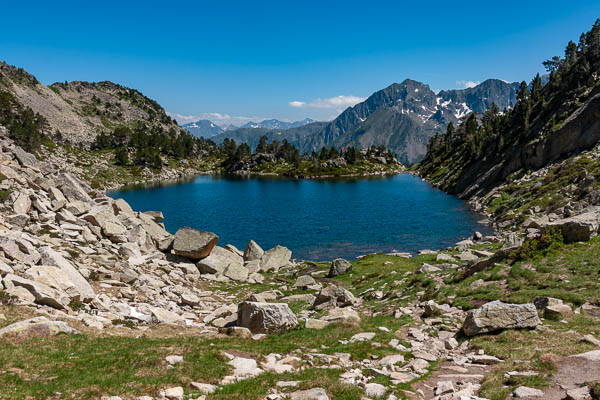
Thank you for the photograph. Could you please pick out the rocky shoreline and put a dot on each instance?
(316, 177)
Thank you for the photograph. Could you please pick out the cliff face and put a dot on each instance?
(579, 132)
(537, 163)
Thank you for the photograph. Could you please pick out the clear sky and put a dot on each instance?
(283, 59)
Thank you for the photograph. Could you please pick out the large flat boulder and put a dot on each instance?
(43, 294)
(157, 233)
(55, 278)
(496, 316)
(265, 317)
(237, 272)
(25, 159)
(579, 228)
(193, 243)
(120, 206)
(18, 249)
(73, 189)
(79, 287)
(104, 218)
(275, 258)
(219, 261)
(37, 327)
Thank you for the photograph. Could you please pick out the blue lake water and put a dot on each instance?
(316, 219)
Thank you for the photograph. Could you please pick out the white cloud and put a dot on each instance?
(337, 102)
(181, 119)
(468, 84)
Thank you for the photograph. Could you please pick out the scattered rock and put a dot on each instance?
(253, 251)
(236, 331)
(334, 296)
(339, 266)
(175, 393)
(310, 394)
(265, 317)
(37, 327)
(496, 316)
(582, 393)
(276, 258)
(362, 337)
(204, 388)
(172, 360)
(375, 390)
(541, 302)
(558, 312)
(444, 387)
(306, 282)
(524, 392)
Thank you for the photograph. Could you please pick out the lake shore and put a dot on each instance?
(319, 219)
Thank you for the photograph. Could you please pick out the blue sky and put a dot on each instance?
(287, 60)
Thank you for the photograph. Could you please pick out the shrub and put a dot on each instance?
(7, 299)
(551, 237)
(76, 305)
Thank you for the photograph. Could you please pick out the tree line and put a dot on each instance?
(142, 145)
(540, 109)
(286, 152)
(27, 128)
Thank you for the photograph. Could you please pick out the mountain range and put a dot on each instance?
(276, 124)
(208, 129)
(403, 117)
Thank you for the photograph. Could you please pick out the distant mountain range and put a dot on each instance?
(402, 117)
(208, 129)
(203, 128)
(276, 124)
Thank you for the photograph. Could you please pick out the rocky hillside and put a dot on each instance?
(79, 111)
(402, 117)
(540, 157)
(98, 301)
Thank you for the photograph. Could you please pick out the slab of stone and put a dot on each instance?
(310, 394)
(496, 315)
(265, 317)
(81, 288)
(193, 243)
(275, 258)
(37, 327)
(524, 392)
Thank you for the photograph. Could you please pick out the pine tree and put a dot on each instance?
(121, 157)
(262, 145)
(523, 109)
(536, 88)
